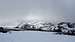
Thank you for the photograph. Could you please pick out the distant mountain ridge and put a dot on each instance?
(63, 27)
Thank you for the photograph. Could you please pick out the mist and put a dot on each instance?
(48, 10)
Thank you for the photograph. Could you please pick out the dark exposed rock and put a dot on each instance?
(62, 27)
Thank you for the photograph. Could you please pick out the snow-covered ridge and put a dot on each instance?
(63, 27)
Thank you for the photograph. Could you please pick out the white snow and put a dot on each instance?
(35, 36)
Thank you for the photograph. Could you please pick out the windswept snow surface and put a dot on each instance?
(35, 36)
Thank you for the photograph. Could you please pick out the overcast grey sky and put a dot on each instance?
(55, 10)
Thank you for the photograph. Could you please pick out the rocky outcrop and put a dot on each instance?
(63, 27)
